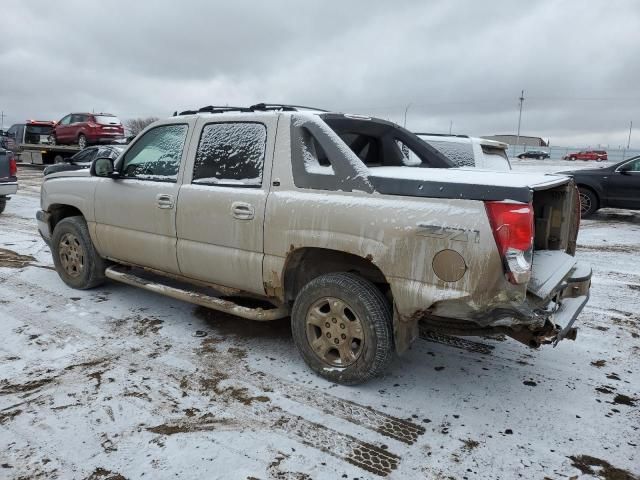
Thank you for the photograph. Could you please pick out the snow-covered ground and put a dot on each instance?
(119, 383)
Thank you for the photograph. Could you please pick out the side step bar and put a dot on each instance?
(120, 274)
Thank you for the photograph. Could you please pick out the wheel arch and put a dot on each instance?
(59, 211)
(304, 264)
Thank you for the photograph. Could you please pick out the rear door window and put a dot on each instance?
(231, 154)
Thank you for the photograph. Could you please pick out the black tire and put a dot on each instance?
(58, 159)
(3, 203)
(521, 156)
(72, 233)
(540, 157)
(82, 141)
(372, 321)
(588, 202)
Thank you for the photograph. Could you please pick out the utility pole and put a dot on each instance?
(405, 115)
(629, 139)
(519, 120)
(450, 126)
(2, 120)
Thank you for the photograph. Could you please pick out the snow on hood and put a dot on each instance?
(470, 176)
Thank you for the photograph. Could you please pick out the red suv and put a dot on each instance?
(87, 128)
(597, 155)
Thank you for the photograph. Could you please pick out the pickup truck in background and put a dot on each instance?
(31, 143)
(8, 176)
(472, 152)
(272, 212)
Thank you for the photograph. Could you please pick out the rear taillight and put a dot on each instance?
(512, 225)
(13, 167)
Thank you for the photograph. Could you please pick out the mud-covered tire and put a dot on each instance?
(588, 202)
(372, 317)
(3, 203)
(71, 244)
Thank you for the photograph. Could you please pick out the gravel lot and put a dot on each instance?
(118, 383)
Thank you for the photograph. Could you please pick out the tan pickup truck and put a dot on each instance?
(354, 227)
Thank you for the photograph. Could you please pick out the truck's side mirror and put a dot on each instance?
(103, 167)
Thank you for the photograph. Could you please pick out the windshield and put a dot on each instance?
(108, 120)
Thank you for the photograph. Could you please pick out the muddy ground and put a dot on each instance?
(117, 383)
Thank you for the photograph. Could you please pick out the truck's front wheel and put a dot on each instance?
(342, 326)
(74, 255)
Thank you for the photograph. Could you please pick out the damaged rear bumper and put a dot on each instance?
(534, 322)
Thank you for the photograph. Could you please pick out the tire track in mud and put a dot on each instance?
(364, 455)
(370, 457)
(398, 429)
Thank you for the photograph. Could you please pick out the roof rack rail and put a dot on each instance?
(264, 107)
(258, 107)
(442, 134)
(212, 109)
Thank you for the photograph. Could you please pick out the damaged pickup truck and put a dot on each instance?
(354, 227)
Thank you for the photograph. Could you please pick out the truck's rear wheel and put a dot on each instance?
(3, 203)
(342, 326)
(74, 255)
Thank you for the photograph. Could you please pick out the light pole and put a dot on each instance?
(405, 115)
(629, 139)
(519, 120)
(450, 126)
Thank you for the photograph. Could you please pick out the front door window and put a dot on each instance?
(156, 155)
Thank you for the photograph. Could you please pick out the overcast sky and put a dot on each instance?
(456, 61)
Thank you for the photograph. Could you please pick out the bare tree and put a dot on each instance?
(135, 125)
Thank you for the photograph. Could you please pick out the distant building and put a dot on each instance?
(522, 140)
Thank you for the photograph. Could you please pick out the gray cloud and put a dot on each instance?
(459, 61)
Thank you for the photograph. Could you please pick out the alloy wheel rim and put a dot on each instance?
(71, 255)
(334, 332)
(82, 142)
(585, 203)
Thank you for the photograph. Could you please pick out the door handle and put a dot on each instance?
(164, 201)
(242, 210)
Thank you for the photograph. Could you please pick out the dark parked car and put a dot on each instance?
(83, 158)
(539, 154)
(87, 128)
(617, 186)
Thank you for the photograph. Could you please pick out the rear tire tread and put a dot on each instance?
(375, 312)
